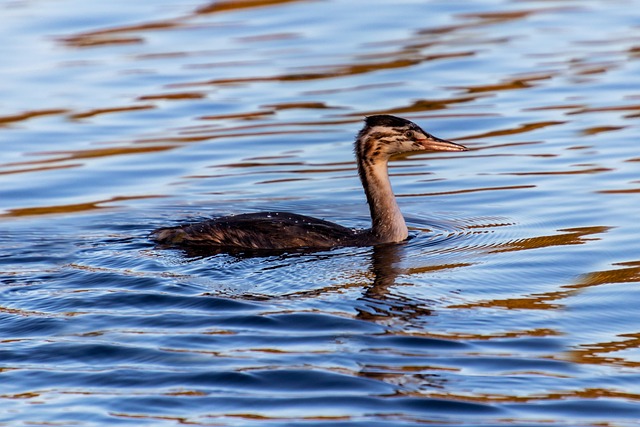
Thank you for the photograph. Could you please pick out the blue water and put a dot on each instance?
(513, 303)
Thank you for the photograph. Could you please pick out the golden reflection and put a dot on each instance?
(39, 169)
(327, 73)
(220, 64)
(242, 116)
(27, 395)
(438, 267)
(20, 312)
(122, 34)
(600, 129)
(280, 181)
(523, 128)
(223, 134)
(298, 105)
(546, 300)
(469, 190)
(330, 72)
(598, 352)
(379, 303)
(112, 36)
(233, 5)
(99, 111)
(514, 84)
(480, 336)
(269, 37)
(475, 20)
(592, 70)
(14, 118)
(626, 191)
(351, 88)
(543, 301)
(502, 16)
(420, 106)
(259, 164)
(585, 110)
(590, 170)
(587, 393)
(90, 40)
(71, 208)
(568, 236)
(189, 393)
(64, 156)
(160, 418)
(594, 353)
(629, 274)
(556, 107)
(172, 96)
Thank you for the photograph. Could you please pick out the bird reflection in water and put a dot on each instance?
(378, 303)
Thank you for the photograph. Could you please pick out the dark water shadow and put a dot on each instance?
(378, 302)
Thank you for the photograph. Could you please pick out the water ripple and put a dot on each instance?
(513, 302)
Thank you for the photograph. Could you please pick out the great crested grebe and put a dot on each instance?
(381, 137)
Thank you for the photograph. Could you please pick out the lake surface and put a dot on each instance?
(515, 302)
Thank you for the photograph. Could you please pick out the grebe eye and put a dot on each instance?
(409, 134)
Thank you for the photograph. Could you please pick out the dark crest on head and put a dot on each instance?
(387, 120)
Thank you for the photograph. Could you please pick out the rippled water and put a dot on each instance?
(515, 302)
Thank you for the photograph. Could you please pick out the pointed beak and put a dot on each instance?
(433, 143)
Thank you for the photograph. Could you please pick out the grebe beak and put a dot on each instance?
(433, 143)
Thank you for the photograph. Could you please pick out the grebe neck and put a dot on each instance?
(387, 222)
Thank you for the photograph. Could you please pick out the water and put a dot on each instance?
(514, 302)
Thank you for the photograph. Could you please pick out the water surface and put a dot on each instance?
(513, 303)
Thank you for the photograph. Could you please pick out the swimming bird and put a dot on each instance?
(381, 137)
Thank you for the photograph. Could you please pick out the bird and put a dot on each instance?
(381, 137)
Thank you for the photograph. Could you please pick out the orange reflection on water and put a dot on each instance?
(511, 84)
(71, 208)
(231, 5)
(569, 236)
(114, 36)
(65, 156)
(421, 105)
(586, 393)
(600, 352)
(589, 170)
(15, 118)
(173, 96)
(521, 128)
(100, 111)
(546, 300)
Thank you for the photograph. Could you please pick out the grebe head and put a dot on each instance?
(385, 135)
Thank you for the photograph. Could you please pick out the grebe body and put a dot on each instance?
(381, 137)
